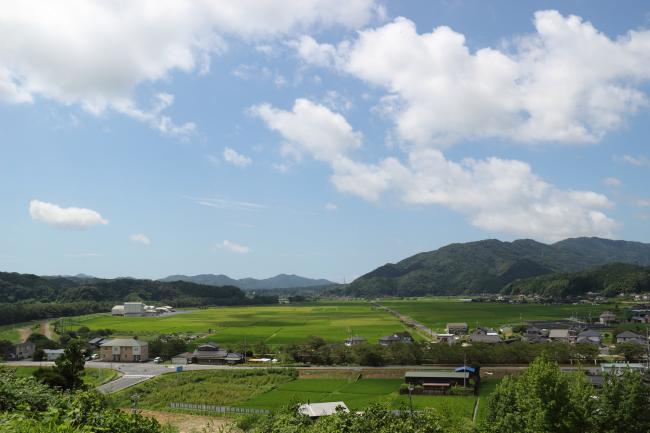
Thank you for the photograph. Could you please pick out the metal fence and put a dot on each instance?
(217, 409)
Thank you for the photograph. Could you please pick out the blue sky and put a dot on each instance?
(324, 140)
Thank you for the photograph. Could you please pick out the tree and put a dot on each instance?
(624, 404)
(630, 351)
(70, 365)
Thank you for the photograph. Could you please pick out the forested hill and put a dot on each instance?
(490, 265)
(24, 288)
(609, 280)
(281, 281)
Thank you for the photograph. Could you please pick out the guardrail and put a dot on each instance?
(217, 409)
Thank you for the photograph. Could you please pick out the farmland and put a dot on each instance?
(275, 389)
(436, 313)
(276, 325)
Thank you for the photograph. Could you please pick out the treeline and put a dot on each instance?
(30, 297)
(316, 351)
(608, 280)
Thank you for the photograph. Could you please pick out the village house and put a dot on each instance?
(355, 341)
(210, 353)
(398, 337)
(534, 335)
(182, 358)
(607, 318)
(446, 339)
(124, 350)
(630, 337)
(589, 336)
(457, 328)
(484, 335)
(559, 335)
(52, 354)
(22, 350)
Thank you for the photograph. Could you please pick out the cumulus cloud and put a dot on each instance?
(95, 53)
(140, 238)
(231, 156)
(567, 82)
(638, 161)
(67, 218)
(233, 247)
(494, 194)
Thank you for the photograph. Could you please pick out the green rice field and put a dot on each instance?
(436, 313)
(278, 324)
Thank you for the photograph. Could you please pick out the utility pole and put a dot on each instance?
(465, 370)
(134, 399)
(411, 388)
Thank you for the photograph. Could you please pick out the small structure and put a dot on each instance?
(133, 309)
(484, 335)
(457, 328)
(589, 336)
(607, 318)
(448, 339)
(53, 354)
(316, 410)
(124, 350)
(398, 337)
(284, 300)
(355, 341)
(629, 337)
(561, 335)
(182, 358)
(619, 368)
(437, 382)
(22, 350)
(117, 310)
(534, 335)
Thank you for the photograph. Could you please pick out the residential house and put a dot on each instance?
(315, 410)
(52, 354)
(630, 337)
(607, 318)
(589, 336)
(457, 328)
(446, 338)
(182, 358)
(211, 354)
(22, 350)
(355, 341)
(534, 335)
(560, 335)
(398, 337)
(484, 335)
(124, 350)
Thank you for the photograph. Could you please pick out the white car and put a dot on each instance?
(157, 360)
(94, 356)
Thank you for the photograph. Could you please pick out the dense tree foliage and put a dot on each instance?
(544, 399)
(27, 406)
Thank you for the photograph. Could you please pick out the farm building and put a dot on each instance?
(484, 335)
(457, 328)
(446, 339)
(117, 310)
(182, 358)
(133, 308)
(124, 350)
(398, 337)
(53, 354)
(440, 382)
(315, 410)
(354, 341)
(22, 350)
(560, 335)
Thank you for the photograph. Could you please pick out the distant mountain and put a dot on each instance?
(281, 281)
(490, 265)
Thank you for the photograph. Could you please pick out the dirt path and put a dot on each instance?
(190, 423)
(46, 329)
(24, 333)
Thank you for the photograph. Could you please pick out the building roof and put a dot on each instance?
(558, 333)
(457, 325)
(485, 338)
(96, 340)
(123, 342)
(322, 409)
(53, 351)
(210, 354)
(437, 374)
(628, 334)
(589, 333)
(186, 355)
(465, 368)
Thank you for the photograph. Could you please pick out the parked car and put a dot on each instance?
(157, 360)
(94, 356)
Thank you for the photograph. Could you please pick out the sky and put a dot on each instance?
(322, 137)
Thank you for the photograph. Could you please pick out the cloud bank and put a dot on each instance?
(67, 218)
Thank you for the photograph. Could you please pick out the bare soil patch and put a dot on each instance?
(189, 423)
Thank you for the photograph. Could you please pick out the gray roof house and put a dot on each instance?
(457, 328)
(211, 354)
(484, 335)
(589, 336)
(23, 350)
(355, 340)
(630, 337)
(398, 337)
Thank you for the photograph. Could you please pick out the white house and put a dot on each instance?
(52, 354)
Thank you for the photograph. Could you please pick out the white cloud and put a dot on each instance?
(643, 203)
(639, 161)
(95, 53)
(68, 218)
(612, 182)
(310, 128)
(233, 247)
(231, 156)
(331, 206)
(140, 238)
(567, 82)
(494, 194)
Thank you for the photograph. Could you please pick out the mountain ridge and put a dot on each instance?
(280, 281)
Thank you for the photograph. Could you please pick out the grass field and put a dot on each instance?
(278, 324)
(436, 313)
(92, 376)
